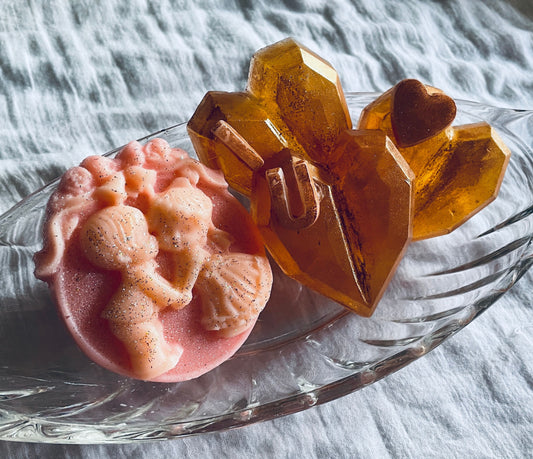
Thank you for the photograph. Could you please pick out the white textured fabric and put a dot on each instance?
(78, 78)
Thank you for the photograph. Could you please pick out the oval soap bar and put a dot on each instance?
(157, 270)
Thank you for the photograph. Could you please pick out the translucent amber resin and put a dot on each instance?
(333, 205)
(337, 207)
(458, 170)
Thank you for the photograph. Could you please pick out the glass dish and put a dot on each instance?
(305, 350)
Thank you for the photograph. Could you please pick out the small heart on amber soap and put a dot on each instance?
(418, 115)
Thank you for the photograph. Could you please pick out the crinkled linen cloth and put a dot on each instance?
(78, 78)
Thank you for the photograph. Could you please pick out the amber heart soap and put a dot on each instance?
(334, 206)
(418, 115)
(458, 169)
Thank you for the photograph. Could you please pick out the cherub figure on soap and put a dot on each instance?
(181, 217)
(117, 238)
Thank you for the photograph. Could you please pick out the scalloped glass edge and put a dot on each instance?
(496, 269)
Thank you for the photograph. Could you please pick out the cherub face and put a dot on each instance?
(117, 236)
(180, 218)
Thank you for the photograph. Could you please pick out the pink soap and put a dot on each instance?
(157, 270)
